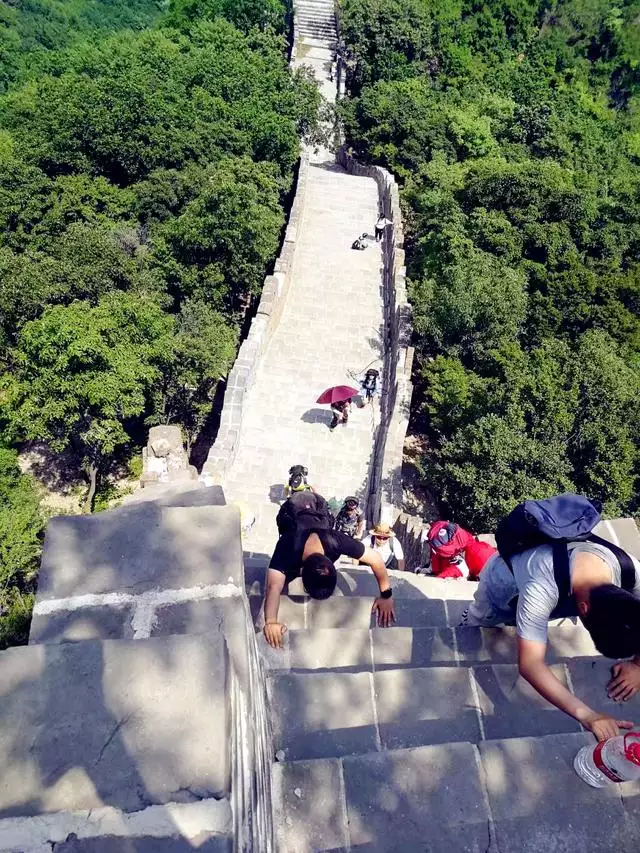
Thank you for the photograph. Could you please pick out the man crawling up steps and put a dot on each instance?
(311, 554)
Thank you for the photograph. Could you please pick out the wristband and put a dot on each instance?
(387, 593)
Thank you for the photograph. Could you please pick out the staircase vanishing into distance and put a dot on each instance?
(146, 715)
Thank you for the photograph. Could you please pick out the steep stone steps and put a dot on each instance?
(502, 796)
(357, 650)
(331, 714)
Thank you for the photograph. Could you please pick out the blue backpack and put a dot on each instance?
(557, 521)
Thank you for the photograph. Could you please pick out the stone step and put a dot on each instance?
(115, 723)
(505, 796)
(358, 650)
(332, 714)
(354, 581)
(189, 493)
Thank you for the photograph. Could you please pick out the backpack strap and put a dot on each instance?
(627, 569)
(561, 572)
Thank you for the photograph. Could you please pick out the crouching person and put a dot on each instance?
(311, 554)
(591, 579)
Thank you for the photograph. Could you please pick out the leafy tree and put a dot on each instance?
(21, 528)
(203, 350)
(82, 371)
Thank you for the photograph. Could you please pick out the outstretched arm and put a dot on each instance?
(384, 607)
(273, 630)
(533, 667)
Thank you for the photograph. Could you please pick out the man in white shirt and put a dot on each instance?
(528, 597)
(382, 539)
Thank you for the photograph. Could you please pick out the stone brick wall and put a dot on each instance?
(241, 378)
(385, 482)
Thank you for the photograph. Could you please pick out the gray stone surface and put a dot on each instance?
(411, 647)
(512, 708)
(114, 844)
(417, 707)
(323, 715)
(428, 799)
(88, 623)
(139, 548)
(122, 723)
(589, 679)
(189, 494)
(356, 613)
(540, 805)
(310, 813)
(194, 617)
(330, 649)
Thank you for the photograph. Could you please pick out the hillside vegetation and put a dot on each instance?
(513, 127)
(144, 178)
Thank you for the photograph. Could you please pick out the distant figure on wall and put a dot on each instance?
(360, 243)
(339, 398)
(381, 224)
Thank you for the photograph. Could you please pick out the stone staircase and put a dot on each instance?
(423, 737)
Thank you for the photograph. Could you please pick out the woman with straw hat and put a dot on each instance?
(383, 540)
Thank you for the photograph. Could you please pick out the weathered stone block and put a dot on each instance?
(540, 804)
(417, 707)
(512, 708)
(139, 548)
(122, 723)
(589, 678)
(87, 623)
(149, 844)
(413, 647)
(323, 715)
(309, 811)
(428, 799)
(330, 649)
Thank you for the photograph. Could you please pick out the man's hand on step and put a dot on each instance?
(274, 633)
(625, 681)
(385, 611)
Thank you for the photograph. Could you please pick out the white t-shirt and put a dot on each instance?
(389, 547)
(538, 593)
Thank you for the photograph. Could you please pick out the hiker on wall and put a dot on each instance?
(369, 386)
(350, 518)
(456, 553)
(297, 480)
(340, 411)
(311, 554)
(383, 540)
(306, 509)
(551, 565)
(381, 224)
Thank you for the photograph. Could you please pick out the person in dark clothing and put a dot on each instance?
(350, 519)
(311, 554)
(304, 509)
(340, 413)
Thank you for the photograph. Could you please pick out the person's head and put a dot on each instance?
(381, 533)
(612, 617)
(350, 505)
(319, 576)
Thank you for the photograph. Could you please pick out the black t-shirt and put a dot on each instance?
(287, 556)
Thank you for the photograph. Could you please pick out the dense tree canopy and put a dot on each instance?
(514, 129)
(147, 154)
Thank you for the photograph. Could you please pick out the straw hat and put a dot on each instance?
(382, 529)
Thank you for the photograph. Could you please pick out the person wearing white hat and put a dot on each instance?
(383, 540)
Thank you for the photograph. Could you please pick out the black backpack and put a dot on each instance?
(558, 521)
(304, 510)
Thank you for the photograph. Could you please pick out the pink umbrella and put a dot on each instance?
(337, 394)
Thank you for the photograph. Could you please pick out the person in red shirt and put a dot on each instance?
(456, 553)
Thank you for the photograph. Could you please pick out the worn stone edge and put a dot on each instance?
(183, 820)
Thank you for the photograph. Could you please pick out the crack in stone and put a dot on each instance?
(120, 724)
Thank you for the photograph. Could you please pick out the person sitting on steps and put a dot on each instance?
(310, 553)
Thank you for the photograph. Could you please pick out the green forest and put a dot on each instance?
(513, 128)
(147, 158)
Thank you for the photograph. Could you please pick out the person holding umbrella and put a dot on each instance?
(339, 398)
